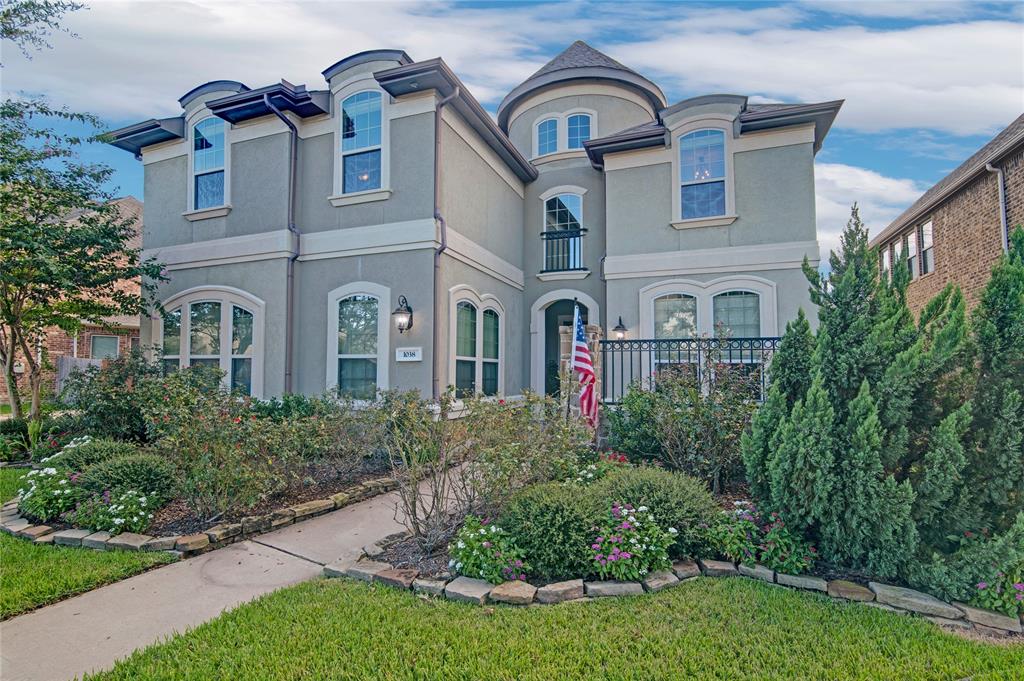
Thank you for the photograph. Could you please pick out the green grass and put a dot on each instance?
(33, 575)
(722, 629)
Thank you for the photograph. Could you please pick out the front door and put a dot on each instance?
(559, 313)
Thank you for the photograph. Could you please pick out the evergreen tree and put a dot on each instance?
(939, 476)
(801, 468)
(895, 536)
(757, 445)
(791, 366)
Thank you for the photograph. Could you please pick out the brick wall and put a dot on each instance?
(967, 234)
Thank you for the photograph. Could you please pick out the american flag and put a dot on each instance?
(585, 368)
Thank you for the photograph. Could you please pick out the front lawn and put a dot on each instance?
(33, 575)
(722, 628)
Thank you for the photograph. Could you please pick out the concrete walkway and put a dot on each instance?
(91, 631)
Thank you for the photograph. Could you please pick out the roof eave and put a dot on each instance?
(434, 74)
(248, 105)
(133, 138)
(597, 149)
(821, 114)
(366, 57)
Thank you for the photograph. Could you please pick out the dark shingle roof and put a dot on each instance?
(1010, 136)
(577, 56)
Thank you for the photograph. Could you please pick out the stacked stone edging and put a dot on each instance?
(897, 599)
(220, 535)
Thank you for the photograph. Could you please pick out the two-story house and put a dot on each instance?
(388, 232)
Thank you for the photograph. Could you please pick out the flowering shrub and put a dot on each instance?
(606, 463)
(743, 536)
(129, 511)
(631, 544)
(1005, 595)
(85, 451)
(47, 493)
(737, 535)
(782, 550)
(486, 552)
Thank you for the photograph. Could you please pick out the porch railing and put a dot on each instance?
(625, 362)
(563, 250)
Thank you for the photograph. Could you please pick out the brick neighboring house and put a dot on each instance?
(92, 341)
(958, 229)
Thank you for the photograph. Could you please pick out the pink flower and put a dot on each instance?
(595, 546)
(1019, 586)
(522, 577)
(625, 555)
(487, 544)
(982, 585)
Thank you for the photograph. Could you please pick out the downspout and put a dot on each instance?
(289, 312)
(1002, 204)
(436, 365)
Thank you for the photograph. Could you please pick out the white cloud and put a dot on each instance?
(916, 9)
(880, 199)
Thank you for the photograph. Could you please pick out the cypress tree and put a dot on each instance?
(939, 476)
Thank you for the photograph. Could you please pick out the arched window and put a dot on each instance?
(216, 328)
(702, 173)
(579, 130)
(208, 164)
(361, 142)
(477, 348)
(675, 316)
(563, 233)
(737, 313)
(547, 136)
(358, 320)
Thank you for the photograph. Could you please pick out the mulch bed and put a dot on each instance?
(406, 553)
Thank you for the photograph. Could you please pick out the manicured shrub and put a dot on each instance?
(143, 472)
(599, 470)
(676, 500)
(631, 544)
(83, 452)
(486, 552)
(554, 524)
(107, 399)
(128, 511)
(48, 492)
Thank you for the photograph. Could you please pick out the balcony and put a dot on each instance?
(563, 250)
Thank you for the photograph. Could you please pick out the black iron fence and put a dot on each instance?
(563, 250)
(625, 362)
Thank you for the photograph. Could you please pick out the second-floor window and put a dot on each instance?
(563, 233)
(361, 142)
(702, 174)
(547, 136)
(911, 246)
(579, 130)
(927, 249)
(208, 164)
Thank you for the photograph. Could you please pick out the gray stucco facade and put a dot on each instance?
(577, 192)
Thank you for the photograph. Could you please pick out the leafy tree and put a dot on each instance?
(29, 23)
(65, 247)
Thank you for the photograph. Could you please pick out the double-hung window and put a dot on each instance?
(547, 136)
(886, 263)
(477, 350)
(579, 130)
(358, 317)
(208, 164)
(927, 249)
(912, 261)
(361, 148)
(702, 174)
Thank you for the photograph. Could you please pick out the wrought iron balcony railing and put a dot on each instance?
(563, 250)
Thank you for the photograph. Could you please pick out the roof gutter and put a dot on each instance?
(1002, 204)
(289, 315)
(442, 247)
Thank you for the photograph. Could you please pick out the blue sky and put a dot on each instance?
(925, 83)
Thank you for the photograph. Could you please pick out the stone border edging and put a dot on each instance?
(897, 599)
(12, 523)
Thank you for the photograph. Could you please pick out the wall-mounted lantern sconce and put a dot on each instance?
(402, 315)
(620, 330)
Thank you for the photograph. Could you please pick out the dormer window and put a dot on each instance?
(361, 142)
(579, 130)
(702, 174)
(208, 164)
(547, 136)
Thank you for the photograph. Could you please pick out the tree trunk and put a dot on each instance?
(13, 398)
(35, 380)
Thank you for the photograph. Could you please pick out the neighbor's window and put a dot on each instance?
(103, 347)
(547, 136)
(702, 174)
(579, 130)
(361, 142)
(208, 164)
(886, 263)
(358, 317)
(738, 313)
(927, 249)
(675, 316)
(477, 350)
(912, 254)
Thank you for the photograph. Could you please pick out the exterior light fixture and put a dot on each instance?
(402, 315)
(620, 330)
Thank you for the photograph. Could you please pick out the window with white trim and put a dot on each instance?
(358, 320)
(215, 332)
(361, 142)
(886, 262)
(563, 238)
(675, 316)
(911, 245)
(927, 248)
(208, 163)
(478, 349)
(702, 174)
(737, 313)
(578, 126)
(547, 136)
(103, 347)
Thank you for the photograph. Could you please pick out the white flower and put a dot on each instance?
(451, 563)
(483, 531)
(633, 541)
(493, 528)
(49, 471)
(118, 521)
(642, 509)
(632, 518)
(673, 530)
(63, 481)
(461, 544)
(643, 571)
